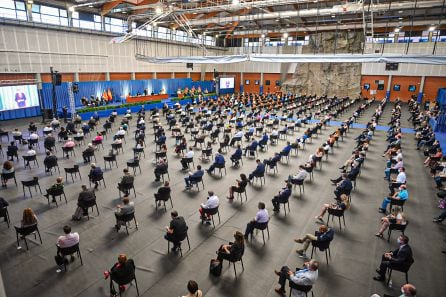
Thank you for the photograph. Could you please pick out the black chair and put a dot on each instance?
(57, 193)
(97, 179)
(333, 212)
(97, 143)
(300, 183)
(185, 236)
(285, 203)
(134, 163)
(50, 165)
(318, 160)
(240, 194)
(90, 204)
(160, 155)
(220, 167)
(31, 183)
(273, 166)
(262, 228)
(68, 150)
(260, 177)
(189, 161)
(5, 214)
(33, 142)
(235, 259)
(25, 231)
(165, 171)
(196, 182)
(74, 170)
(110, 160)
(70, 251)
(138, 151)
(404, 269)
(322, 246)
(212, 212)
(79, 140)
(125, 281)
(164, 198)
(4, 133)
(396, 227)
(396, 202)
(127, 218)
(8, 176)
(302, 288)
(28, 159)
(18, 138)
(125, 188)
(89, 155)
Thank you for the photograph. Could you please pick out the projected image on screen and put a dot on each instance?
(15, 97)
(226, 83)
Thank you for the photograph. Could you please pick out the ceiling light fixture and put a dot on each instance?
(30, 1)
(71, 8)
(400, 18)
(216, 35)
(396, 30)
(235, 2)
(285, 35)
(333, 16)
(432, 28)
(263, 35)
(158, 10)
(91, 6)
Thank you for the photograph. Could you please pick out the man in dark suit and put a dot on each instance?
(252, 146)
(400, 258)
(218, 160)
(95, 174)
(354, 171)
(237, 156)
(126, 182)
(193, 176)
(282, 197)
(85, 197)
(163, 193)
(177, 230)
(343, 187)
(260, 169)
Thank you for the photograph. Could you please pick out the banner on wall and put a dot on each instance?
(16, 97)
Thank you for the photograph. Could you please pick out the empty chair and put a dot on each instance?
(31, 183)
(74, 170)
(110, 160)
(25, 231)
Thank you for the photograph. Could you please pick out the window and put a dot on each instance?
(87, 21)
(115, 25)
(49, 15)
(13, 9)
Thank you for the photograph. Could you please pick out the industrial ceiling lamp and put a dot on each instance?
(158, 10)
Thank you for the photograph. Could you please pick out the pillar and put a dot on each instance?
(389, 85)
(395, 37)
(76, 77)
(172, 75)
(421, 91)
(241, 82)
(29, 11)
(132, 76)
(429, 38)
(261, 83)
(154, 75)
(188, 74)
(107, 76)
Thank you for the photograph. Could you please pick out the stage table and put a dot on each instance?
(147, 98)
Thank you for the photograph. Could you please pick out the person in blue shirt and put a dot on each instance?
(402, 194)
(282, 197)
(259, 171)
(264, 141)
(273, 160)
(237, 156)
(286, 150)
(95, 174)
(161, 139)
(250, 133)
(218, 160)
(252, 146)
(193, 176)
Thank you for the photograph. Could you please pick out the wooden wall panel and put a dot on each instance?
(370, 79)
(181, 74)
(272, 77)
(252, 87)
(143, 75)
(404, 81)
(195, 76)
(92, 76)
(120, 76)
(431, 86)
(164, 75)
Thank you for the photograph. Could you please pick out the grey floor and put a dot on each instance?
(355, 251)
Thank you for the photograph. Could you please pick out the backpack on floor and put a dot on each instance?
(215, 267)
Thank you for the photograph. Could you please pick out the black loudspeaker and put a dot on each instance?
(75, 88)
(57, 79)
(216, 74)
(190, 65)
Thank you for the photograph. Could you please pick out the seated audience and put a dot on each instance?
(218, 160)
(305, 276)
(58, 186)
(67, 240)
(233, 250)
(402, 194)
(259, 171)
(193, 177)
(85, 197)
(396, 217)
(259, 220)
(211, 203)
(126, 208)
(177, 230)
(163, 193)
(324, 234)
(341, 204)
(121, 271)
(192, 289)
(126, 181)
(240, 187)
(282, 197)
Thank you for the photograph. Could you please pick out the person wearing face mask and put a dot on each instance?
(400, 258)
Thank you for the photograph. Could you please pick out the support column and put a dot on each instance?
(29, 11)
(389, 85)
(133, 76)
(107, 76)
(172, 75)
(429, 37)
(188, 74)
(261, 83)
(241, 82)
(154, 75)
(76, 77)
(421, 91)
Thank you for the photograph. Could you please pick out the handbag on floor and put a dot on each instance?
(215, 267)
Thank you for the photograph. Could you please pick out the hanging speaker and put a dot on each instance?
(57, 79)
(190, 65)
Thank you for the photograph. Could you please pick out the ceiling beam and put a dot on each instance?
(107, 7)
(234, 25)
(144, 2)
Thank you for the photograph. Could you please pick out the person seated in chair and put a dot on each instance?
(341, 204)
(160, 167)
(206, 152)
(218, 160)
(58, 186)
(237, 156)
(193, 177)
(343, 187)
(233, 250)
(324, 234)
(95, 173)
(225, 142)
(29, 153)
(67, 240)
(300, 176)
(161, 139)
(69, 144)
(239, 188)
(86, 154)
(273, 160)
(395, 217)
(286, 150)
(126, 208)
(163, 193)
(188, 156)
(305, 276)
(400, 180)
(237, 137)
(8, 167)
(49, 160)
(401, 258)
(402, 194)
(126, 181)
(259, 171)
(200, 139)
(282, 197)
(177, 230)
(121, 272)
(263, 141)
(12, 151)
(259, 220)
(211, 203)
(252, 147)
(85, 197)
(352, 174)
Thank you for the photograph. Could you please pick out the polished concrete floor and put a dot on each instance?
(355, 250)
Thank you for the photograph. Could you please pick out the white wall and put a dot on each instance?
(407, 69)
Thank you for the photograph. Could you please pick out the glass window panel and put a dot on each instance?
(162, 29)
(75, 15)
(49, 10)
(49, 19)
(117, 22)
(36, 8)
(97, 18)
(7, 13)
(75, 23)
(36, 17)
(64, 21)
(63, 13)
(20, 5)
(98, 26)
(7, 4)
(117, 29)
(21, 15)
(86, 25)
(107, 27)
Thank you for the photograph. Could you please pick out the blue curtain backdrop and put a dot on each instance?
(120, 89)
